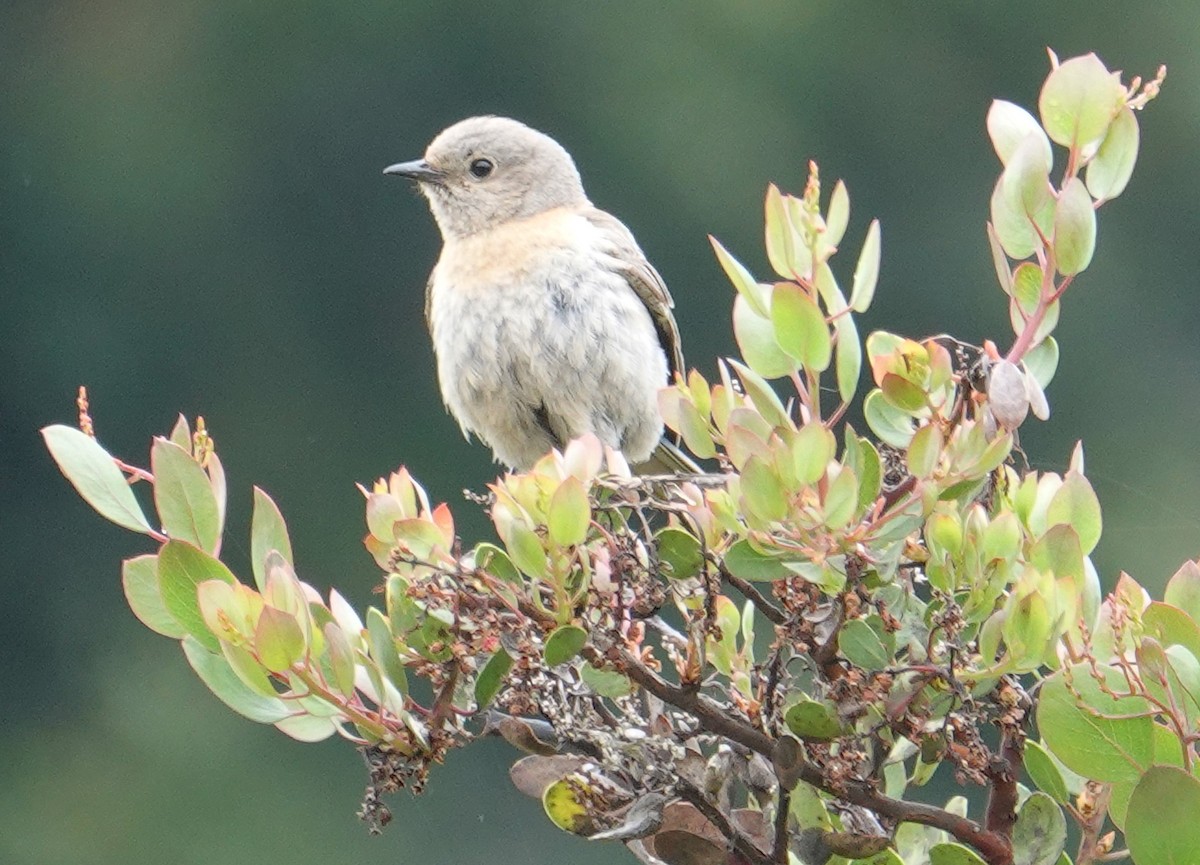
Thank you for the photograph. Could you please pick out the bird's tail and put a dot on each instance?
(668, 459)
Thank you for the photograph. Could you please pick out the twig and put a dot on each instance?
(994, 847)
(715, 816)
(772, 612)
(782, 808)
(1093, 806)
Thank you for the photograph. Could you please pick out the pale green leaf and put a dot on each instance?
(91, 470)
(181, 568)
(866, 272)
(139, 578)
(800, 328)
(1079, 100)
(183, 495)
(1110, 169)
(1074, 228)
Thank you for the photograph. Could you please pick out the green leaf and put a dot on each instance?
(91, 470)
(924, 451)
(340, 658)
(762, 395)
(220, 678)
(181, 433)
(525, 549)
(907, 396)
(248, 668)
(1075, 504)
(1026, 178)
(755, 335)
(800, 327)
(496, 562)
(680, 551)
(382, 643)
(383, 512)
(1042, 360)
(812, 448)
(1183, 589)
(1040, 832)
(695, 431)
(606, 683)
(1171, 626)
(1058, 552)
(563, 644)
(812, 719)
(1112, 166)
(1012, 227)
(491, 678)
(184, 496)
(892, 425)
(837, 217)
(1026, 293)
(848, 357)
(1008, 125)
(866, 271)
(1079, 100)
(786, 251)
(182, 567)
(565, 809)
(570, 514)
(841, 500)
(1043, 771)
(762, 491)
(744, 561)
(139, 578)
(859, 644)
(307, 728)
(953, 854)
(1102, 738)
(268, 532)
(745, 284)
(278, 640)
(1160, 824)
(999, 260)
(1074, 228)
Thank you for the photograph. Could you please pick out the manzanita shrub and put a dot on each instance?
(767, 663)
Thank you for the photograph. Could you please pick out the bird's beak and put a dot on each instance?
(418, 170)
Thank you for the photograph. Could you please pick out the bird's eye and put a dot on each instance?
(481, 168)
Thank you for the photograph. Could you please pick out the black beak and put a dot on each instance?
(418, 170)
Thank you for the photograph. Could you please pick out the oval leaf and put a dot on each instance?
(184, 496)
(139, 578)
(800, 328)
(1160, 823)
(182, 567)
(563, 644)
(570, 514)
(268, 532)
(1074, 228)
(91, 470)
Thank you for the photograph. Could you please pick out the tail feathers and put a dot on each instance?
(668, 459)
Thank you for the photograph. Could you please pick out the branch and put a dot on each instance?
(1002, 772)
(740, 842)
(994, 847)
(752, 594)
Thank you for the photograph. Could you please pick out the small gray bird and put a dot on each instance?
(548, 322)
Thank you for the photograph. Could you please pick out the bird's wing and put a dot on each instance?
(645, 282)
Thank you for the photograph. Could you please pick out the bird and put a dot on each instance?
(548, 321)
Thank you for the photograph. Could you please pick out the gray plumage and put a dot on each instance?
(547, 320)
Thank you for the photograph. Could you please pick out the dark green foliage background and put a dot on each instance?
(192, 218)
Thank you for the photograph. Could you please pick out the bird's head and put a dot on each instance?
(484, 171)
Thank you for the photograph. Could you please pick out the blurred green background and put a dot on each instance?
(192, 218)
